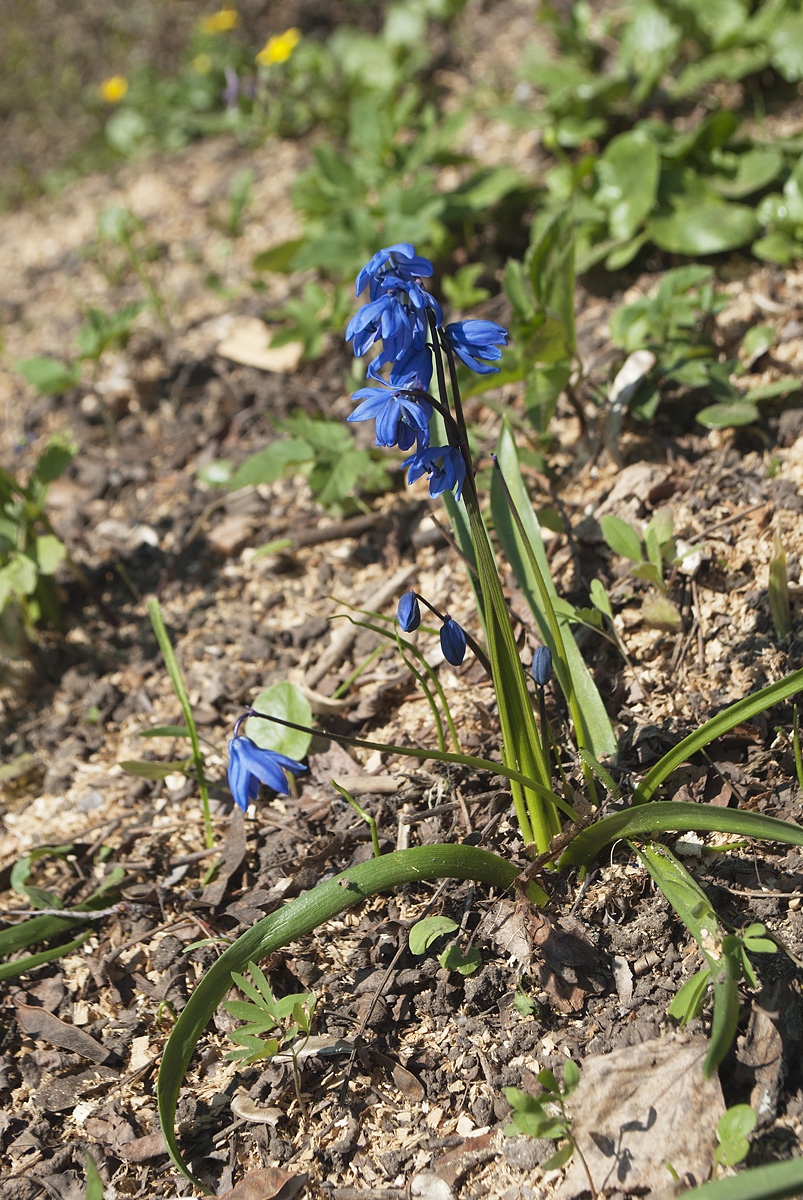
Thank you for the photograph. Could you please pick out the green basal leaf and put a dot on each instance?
(168, 731)
(775, 1181)
(559, 1158)
(628, 172)
(673, 816)
(94, 1183)
(689, 1000)
(288, 702)
(742, 710)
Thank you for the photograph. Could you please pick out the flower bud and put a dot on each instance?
(453, 641)
(408, 612)
(542, 666)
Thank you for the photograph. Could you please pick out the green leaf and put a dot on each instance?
(288, 702)
(49, 377)
(755, 169)
(733, 1130)
(758, 341)
(675, 816)
(621, 537)
(628, 172)
(171, 731)
(94, 1183)
(50, 552)
(776, 1181)
(786, 46)
(270, 464)
(591, 720)
(705, 228)
(599, 598)
(778, 247)
(453, 960)
(57, 456)
(279, 258)
(425, 932)
(559, 1158)
(688, 1002)
(728, 416)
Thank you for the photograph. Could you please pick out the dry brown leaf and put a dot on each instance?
(636, 1110)
(271, 1184)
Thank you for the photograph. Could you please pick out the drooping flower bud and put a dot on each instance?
(542, 666)
(408, 612)
(453, 641)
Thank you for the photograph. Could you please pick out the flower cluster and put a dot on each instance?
(407, 319)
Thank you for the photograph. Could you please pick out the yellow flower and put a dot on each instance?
(113, 89)
(278, 48)
(220, 22)
(202, 63)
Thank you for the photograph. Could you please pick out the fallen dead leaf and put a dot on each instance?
(271, 1184)
(636, 1110)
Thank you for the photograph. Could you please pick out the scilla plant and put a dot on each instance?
(415, 347)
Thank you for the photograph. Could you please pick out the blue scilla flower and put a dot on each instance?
(398, 317)
(408, 612)
(453, 641)
(412, 370)
(399, 261)
(445, 466)
(400, 419)
(250, 765)
(475, 340)
(542, 666)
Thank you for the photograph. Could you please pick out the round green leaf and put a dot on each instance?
(425, 932)
(707, 228)
(286, 701)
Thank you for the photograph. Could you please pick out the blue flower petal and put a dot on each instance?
(249, 765)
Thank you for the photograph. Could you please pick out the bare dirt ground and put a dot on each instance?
(418, 1108)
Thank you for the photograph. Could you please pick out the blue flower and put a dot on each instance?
(250, 765)
(412, 370)
(398, 317)
(399, 261)
(400, 420)
(453, 641)
(542, 666)
(445, 466)
(408, 612)
(474, 340)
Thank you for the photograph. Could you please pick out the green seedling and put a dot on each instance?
(652, 554)
(310, 317)
(288, 1021)
(30, 550)
(733, 1132)
(544, 1116)
(94, 1183)
(778, 588)
(337, 469)
(426, 932)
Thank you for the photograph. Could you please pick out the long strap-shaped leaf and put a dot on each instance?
(774, 1181)
(728, 719)
(696, 912)
(294, 920)
(678, 817)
